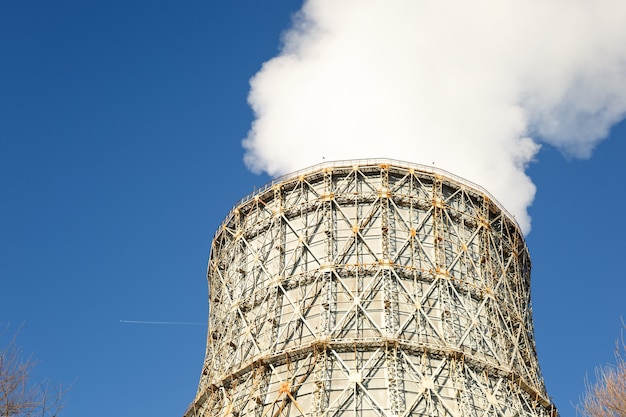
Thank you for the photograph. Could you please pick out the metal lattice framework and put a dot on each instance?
(370, 288)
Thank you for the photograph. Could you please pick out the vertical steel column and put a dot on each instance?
(390, 296)
(277, 213)
(439, 226)
(328, 296)
(329, 300)
(323, 378)
(359, 284)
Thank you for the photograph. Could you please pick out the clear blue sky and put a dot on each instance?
(120, 154)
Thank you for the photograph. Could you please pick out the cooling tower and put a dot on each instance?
(370, 288)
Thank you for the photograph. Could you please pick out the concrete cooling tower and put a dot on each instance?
(370, 288)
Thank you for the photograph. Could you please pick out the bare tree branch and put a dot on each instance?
(19, 396)
(607, 396)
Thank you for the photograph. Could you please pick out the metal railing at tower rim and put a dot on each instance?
(426, 169)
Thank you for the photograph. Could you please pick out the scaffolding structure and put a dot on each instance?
(370, 288)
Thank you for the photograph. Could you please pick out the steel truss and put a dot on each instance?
(370, 289)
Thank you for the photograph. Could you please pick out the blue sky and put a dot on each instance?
(120, 154)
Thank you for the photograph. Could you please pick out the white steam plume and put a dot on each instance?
(463, 84)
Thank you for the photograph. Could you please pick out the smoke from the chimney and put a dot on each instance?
(472, 86)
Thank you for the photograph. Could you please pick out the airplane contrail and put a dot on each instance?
(180, 323)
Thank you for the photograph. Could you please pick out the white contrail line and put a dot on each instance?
(180, 323)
